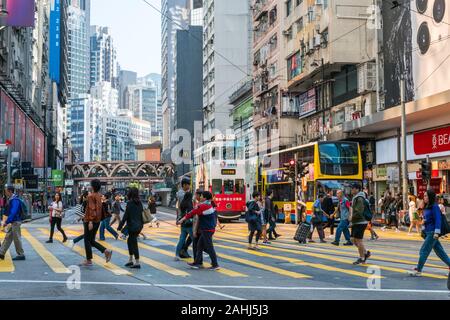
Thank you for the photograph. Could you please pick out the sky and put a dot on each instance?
(136, 29)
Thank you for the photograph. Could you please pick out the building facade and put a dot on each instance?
(188, 92)
(226, 58)
(175, 16)
(103, 56)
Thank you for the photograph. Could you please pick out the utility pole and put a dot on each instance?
(404, 155)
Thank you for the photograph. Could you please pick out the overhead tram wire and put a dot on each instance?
(195, 37)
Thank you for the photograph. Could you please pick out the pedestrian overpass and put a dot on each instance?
(118, 174)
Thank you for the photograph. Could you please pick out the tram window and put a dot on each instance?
(217, 186)
(228, 153)
(215, 154)
(240, 186)
(228, 186)
(240, 153)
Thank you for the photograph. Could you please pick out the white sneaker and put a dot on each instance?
(177, 258)
(70, 244)
(396, 230)
(383, 228)
(414, 273)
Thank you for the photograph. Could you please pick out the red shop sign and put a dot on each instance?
(435, 184)
(432, 141)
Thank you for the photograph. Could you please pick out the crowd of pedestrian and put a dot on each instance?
(198, 219)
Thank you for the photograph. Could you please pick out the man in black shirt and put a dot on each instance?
(328, 207)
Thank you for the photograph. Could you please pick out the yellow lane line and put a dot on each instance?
(54, 264)
(247, 262)
(334, 259)
(224, 271)
(95, 258)
(7, 265)
(348, 252)
(145, 260)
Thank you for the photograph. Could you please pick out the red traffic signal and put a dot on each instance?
(292, 163)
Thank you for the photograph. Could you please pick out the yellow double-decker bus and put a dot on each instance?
(297, 175)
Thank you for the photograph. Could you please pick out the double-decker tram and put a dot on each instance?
(299, 174)
(219, 167)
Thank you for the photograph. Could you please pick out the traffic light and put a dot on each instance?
(303, 169)
(15, 165)
(426, 170)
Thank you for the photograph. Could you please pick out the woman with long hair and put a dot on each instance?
(135, 222)
(56, 213)
(91, 223)
(414, 220)
(430, 232)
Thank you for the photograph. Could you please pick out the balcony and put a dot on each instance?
(259, 9)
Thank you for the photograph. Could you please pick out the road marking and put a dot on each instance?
(298, 262)
(224, 271)
(100, 261)
(341, 260)
(54, 264)
(7, 265)
(343, 251)
(254, 264)
(157, 285)
(155, 264)
(217, 293)
(145, 260)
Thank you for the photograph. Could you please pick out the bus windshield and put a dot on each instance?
(323, 186)
(339, 158)
(283, 192)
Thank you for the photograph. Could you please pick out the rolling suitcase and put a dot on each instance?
(302, 232)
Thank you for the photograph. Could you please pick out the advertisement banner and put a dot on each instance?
(307, 103)
(20, 13)
(10, 120)
(55, 40)
(432, 141)
(20, 133)
(58, 178)
(38, 157)
(29, 132)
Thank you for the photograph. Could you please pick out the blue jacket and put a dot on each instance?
(207, 216)
(13, 210)
(432, 217)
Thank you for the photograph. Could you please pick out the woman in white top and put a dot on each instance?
(413, 216)
(441, 204)
(56, 214)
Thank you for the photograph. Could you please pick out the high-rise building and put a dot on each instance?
(103, 57)
(108, 96)
(78, 47)
(188, 89)
(144, 105)
(174, 17)
(80, 127)
(126, 78)
(226, 62)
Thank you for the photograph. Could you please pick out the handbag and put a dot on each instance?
(445, 227)
(146, 216)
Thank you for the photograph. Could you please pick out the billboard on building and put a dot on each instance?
(416, 47)
(20, 13)
(38, 156)
(55, 40)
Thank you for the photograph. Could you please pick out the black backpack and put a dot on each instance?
(445, 227)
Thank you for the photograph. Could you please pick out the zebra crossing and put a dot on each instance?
(282, 259)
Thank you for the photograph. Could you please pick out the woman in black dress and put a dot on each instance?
(135, 223)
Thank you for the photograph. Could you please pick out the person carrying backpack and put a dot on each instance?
(360, 217)
(253, 219)
(431, 231)
(15, 211)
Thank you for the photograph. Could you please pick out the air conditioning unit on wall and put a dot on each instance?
(367, 80)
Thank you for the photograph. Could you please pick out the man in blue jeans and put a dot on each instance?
(344, 212)
(105, 224)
